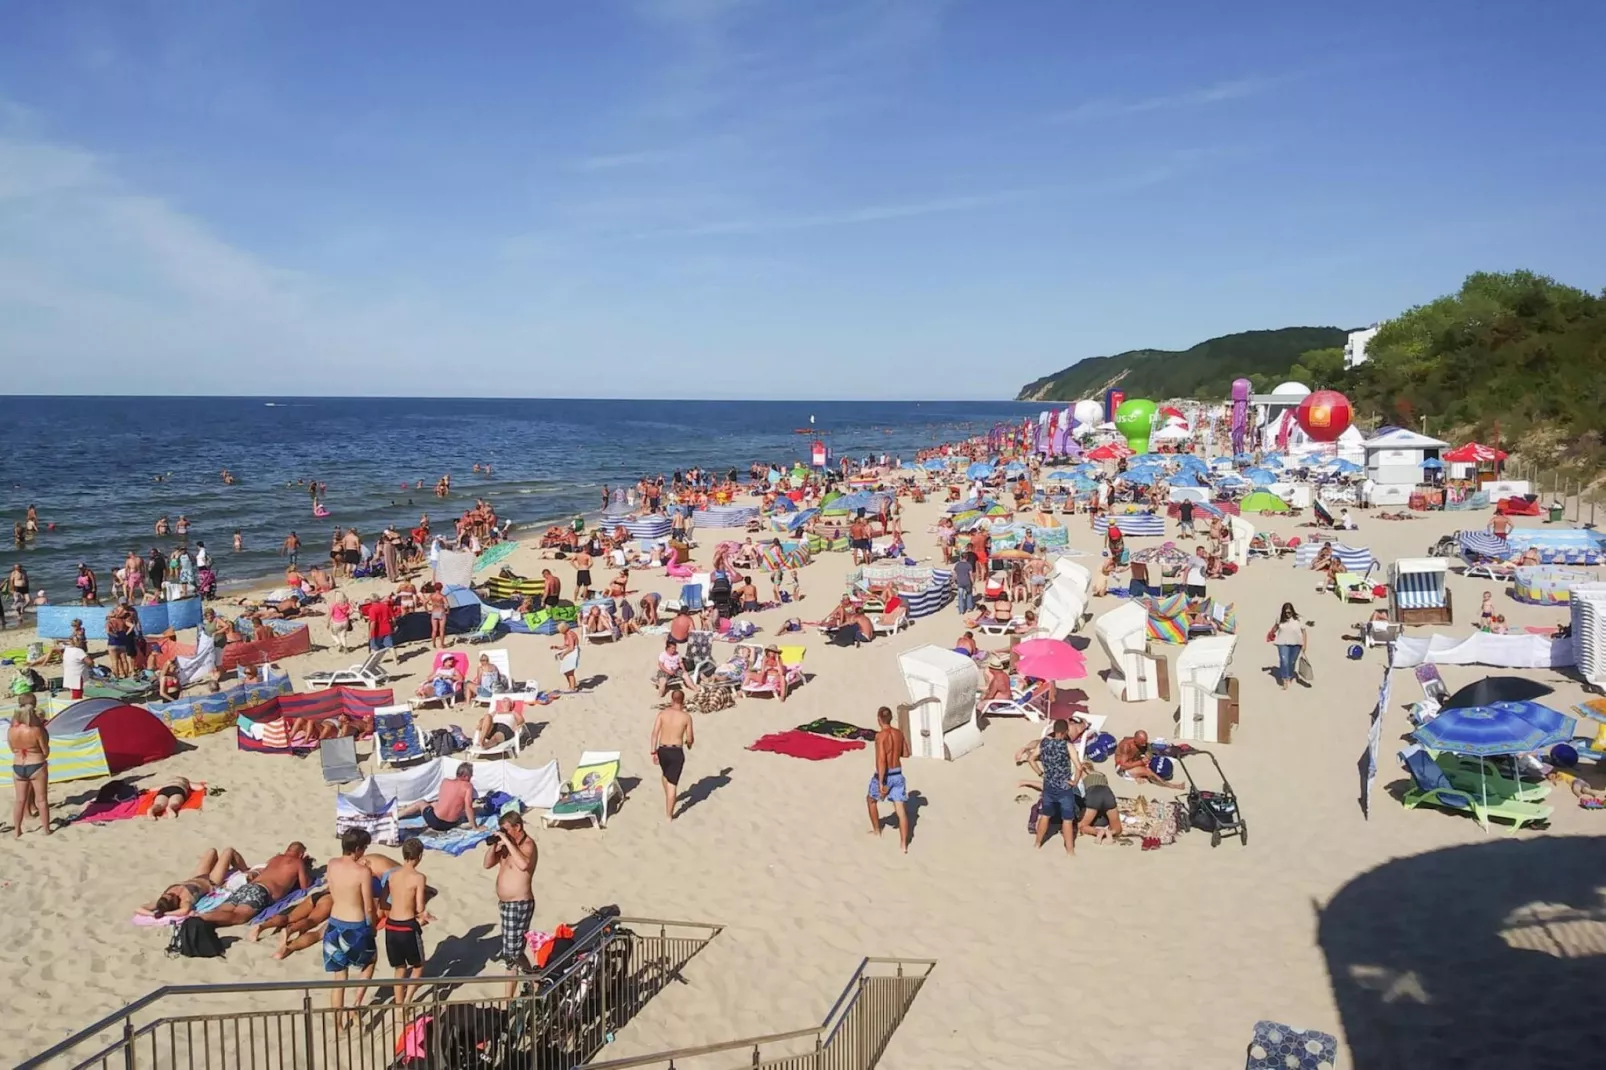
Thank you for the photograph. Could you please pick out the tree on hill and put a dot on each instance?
(1517, 350)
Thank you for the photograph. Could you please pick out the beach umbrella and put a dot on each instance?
(1231, 479)
(1491, 731)
(1497, 690)
(1485, 544)
(1346, 468)
(1259, 476)
(1166, 554)
(1060, 477)
(1475, 453)
(1050, 659)
(1430, 463)
(1185, 479)
(979, 470)
(934, 465)
(1143, 477)
(1013, 468)
(1243, 458)
(1012, 555)
(492, 555)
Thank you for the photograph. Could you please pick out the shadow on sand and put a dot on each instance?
(1489, 955)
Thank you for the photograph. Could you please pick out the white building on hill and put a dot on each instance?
(1355, 346)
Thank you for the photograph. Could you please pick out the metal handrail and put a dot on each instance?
(123, 1016)
(822, 1033)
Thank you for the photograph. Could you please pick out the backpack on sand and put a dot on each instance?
(194, 938)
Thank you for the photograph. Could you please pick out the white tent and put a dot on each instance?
(943, 686)
(455, 568)
(1171, 433)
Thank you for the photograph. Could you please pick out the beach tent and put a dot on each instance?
(942, 686)
(1262, 501)
(462, 616)
(129, 735)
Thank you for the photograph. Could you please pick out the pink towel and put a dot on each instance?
(100, 813)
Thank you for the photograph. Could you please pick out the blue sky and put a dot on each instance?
(726, 198)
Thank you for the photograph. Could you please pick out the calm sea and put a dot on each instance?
(91, 464)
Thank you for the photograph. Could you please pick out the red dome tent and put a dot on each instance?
(130, 735)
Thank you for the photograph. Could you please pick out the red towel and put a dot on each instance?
(795, 744)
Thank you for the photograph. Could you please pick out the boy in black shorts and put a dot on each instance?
(404, 927)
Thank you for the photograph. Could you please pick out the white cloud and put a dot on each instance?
(876, 213)
(1219, 93)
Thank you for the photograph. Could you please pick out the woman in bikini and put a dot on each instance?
(30, 760)
(436, 601)
(178, 900)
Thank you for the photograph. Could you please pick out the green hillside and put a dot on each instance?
(1205, 371)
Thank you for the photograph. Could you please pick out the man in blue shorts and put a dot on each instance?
(887, 785)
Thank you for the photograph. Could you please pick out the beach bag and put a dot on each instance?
(194, 938)
(442, 743)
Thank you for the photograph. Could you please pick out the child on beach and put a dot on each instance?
(1486, 614)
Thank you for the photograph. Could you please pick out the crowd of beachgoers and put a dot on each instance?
(593, 588)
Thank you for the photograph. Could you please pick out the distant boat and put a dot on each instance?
(270, 404)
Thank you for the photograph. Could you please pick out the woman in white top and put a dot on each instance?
(1289, 635)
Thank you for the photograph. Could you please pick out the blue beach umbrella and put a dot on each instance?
(1490, 731)
(979, 470)
(1061, 477)
(1343, 467)
(1014, 468)
(1185, 479)
(1243, 458)
(935, 465)
(1259, 476)
(1431, 462)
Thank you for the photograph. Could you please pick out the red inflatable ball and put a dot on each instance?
(1324, 415)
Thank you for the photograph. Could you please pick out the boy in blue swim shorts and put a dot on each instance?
(348, 936)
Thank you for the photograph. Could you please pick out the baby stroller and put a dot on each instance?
(721, 597)
(1215, 812)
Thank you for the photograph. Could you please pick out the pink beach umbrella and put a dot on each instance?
(1050, 659)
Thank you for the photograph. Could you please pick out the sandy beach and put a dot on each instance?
(1114, 957)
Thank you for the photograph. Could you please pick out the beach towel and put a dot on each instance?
(139, 806)
(273, 910)
(805, 745)
(837, 729)
(453, 841)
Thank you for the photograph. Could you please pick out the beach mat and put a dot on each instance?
(805, 745)
(825, 726)
(452, 841)
(139, 806)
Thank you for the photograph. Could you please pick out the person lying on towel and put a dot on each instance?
(283, 873)
(178, 900)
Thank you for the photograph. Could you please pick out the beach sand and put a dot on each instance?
(1113, 957)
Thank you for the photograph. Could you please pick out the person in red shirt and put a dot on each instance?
(380, 615)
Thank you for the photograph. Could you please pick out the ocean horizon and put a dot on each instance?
(102, 469)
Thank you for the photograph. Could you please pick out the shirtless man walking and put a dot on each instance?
(672, 737)
(887, 785)
(273, 882)
(513, 855)
(348, 938)
(292, 547)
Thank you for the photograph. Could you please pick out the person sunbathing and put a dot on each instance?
(594, 624)
(445, 683)
(769, 672)
(998, 685)
(306, 733)
(619, 586)
(979, 616)
(1027, 624)
(966, 645)
(500, 726)
(283, 872)
(178, 900)
(838, 616)
(170, 797)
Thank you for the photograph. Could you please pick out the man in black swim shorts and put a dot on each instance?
(672, 737)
